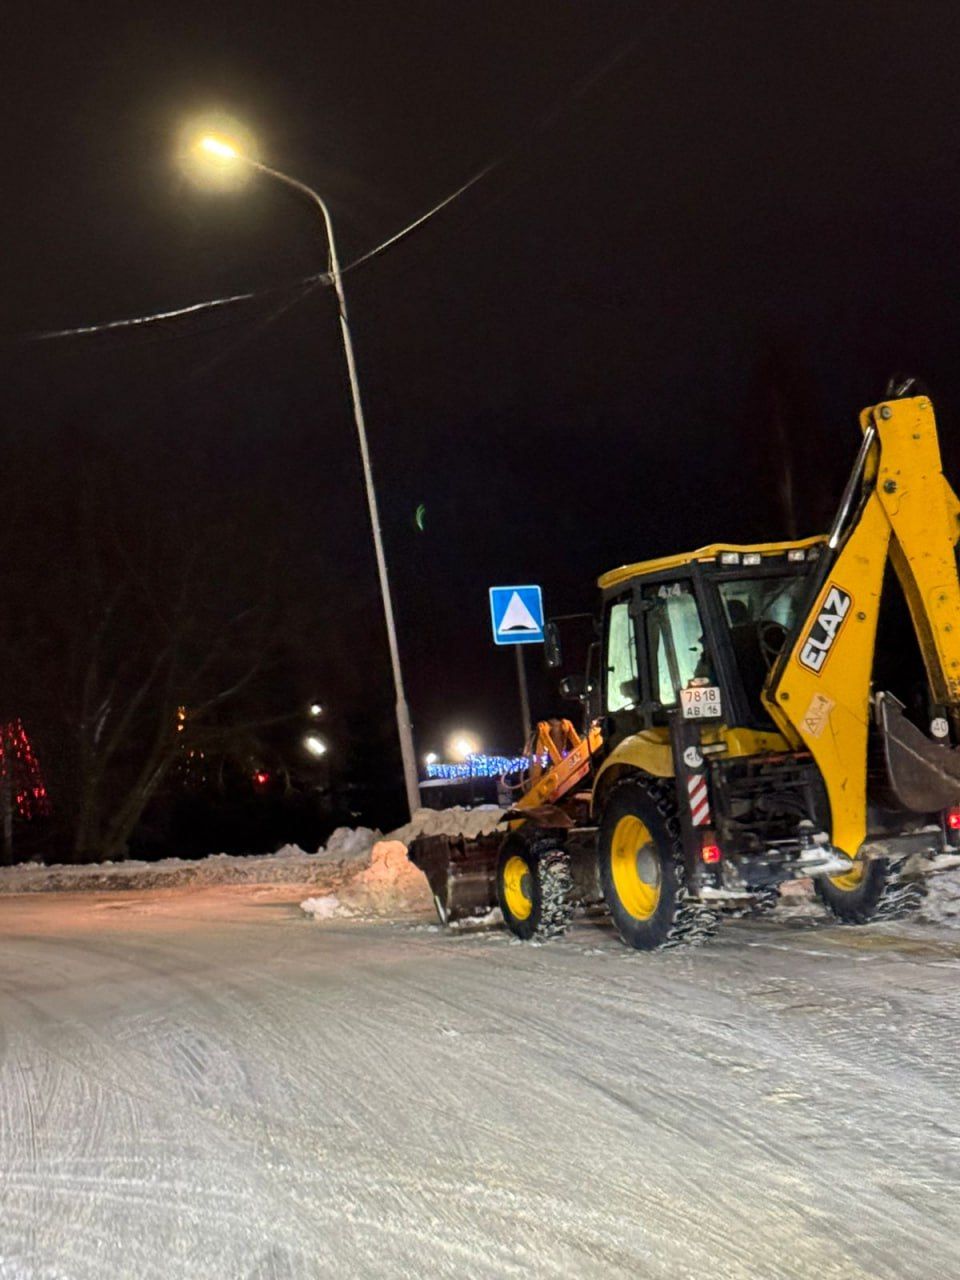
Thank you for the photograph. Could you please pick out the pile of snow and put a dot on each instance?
(324, 908)
(458, 821)
(349, 843)
(389, 886)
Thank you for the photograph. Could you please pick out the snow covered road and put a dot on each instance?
(204, 1083)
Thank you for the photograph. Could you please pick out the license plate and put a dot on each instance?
(701, 703)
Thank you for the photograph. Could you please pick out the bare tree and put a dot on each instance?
(133, 627)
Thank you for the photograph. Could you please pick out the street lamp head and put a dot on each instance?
(216, 151)
(217, 147)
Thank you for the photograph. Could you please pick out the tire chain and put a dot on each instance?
(693, 922)
(900, 896)
(764, 902)
(556, 883)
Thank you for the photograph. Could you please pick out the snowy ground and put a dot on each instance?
(204, 1082)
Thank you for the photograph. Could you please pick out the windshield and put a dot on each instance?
(759, 613)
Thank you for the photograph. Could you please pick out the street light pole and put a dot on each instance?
(404, 727)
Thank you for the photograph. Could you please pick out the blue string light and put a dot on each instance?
(482, 766)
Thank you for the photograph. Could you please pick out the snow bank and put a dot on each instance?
(357, 873)
(290, 864)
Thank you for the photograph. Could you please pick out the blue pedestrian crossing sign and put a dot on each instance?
(517, 614)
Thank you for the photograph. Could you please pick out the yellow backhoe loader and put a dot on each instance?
(752, 715)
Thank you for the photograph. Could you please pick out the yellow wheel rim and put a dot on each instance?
(847, 881)
(517, 885)
(635, 867)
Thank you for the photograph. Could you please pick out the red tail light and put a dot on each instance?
(710, 853)
(953, 819)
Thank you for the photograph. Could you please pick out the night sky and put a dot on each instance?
(715, 232)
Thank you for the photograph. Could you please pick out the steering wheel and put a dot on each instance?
(772, 636)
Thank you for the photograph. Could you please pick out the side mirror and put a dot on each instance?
(551, 645)
(573, 687)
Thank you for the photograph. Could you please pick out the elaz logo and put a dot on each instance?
(816, 648)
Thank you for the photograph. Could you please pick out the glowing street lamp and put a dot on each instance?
(228, 158)
(316, 746)
(430, 758)
(217, 147)
(462, 744)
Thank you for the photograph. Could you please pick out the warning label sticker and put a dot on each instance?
(818, 714)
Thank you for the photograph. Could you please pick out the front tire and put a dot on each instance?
(641, 869)
(533, 889)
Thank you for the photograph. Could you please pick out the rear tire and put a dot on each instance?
(640, 857)
(533, 889)
(870, 891)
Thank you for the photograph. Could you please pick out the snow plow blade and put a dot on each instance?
(924, 776)
(461, 873)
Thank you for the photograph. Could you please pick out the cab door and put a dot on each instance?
(621, 689)
(676, 654)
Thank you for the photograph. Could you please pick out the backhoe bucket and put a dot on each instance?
(924, 777)
(461, 873)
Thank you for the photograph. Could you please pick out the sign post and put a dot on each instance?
(517, 617)
(524, 695)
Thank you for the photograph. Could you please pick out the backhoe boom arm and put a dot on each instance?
(820, 693)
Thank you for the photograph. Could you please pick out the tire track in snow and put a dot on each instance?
(366, 1101)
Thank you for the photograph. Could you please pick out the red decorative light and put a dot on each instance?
(19, 767)
(261, 777)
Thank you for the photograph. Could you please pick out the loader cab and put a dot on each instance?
(701, 631)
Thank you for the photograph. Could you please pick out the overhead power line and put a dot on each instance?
(544, 121)
(194, 308)
(318, 278)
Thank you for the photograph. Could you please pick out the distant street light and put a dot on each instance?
(430, 758)
(219, 150)
(462, 744)
(316, 746)
(316, 709)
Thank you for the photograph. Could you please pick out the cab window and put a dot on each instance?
(674, 640)
(621, 659)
